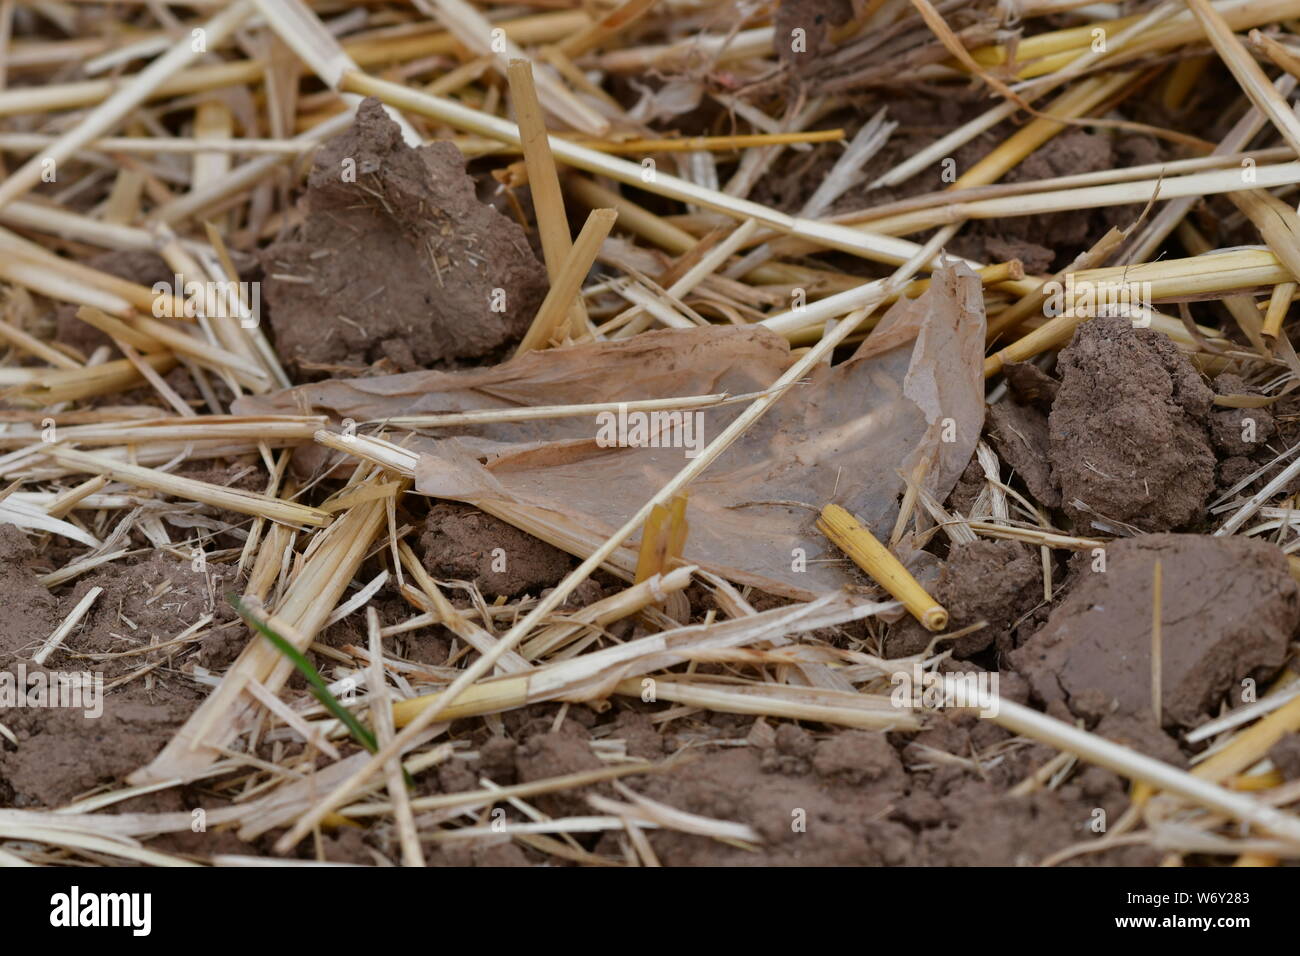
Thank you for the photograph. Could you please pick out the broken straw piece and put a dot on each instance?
(74, 617)
(871, 556)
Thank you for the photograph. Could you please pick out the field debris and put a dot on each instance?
(907, 399)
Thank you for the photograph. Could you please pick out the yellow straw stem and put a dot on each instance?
(849, 535)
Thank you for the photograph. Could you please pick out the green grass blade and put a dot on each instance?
(317, 683)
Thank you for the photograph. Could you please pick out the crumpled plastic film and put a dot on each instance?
(909, 401)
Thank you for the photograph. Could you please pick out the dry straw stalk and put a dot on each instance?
(850, 536)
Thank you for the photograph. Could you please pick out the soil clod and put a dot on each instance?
(465, 544)
(396, 258)
(988, 582)
(1230, 607)
(1128, 429)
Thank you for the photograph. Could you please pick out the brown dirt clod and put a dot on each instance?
(991, 581)
(462, 543)
(1229, 609)
(1020, 435)
(31, 612)
(1129, 441)
(1030, 385)
(397, 259)
(64, 752)
(1239, 431)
